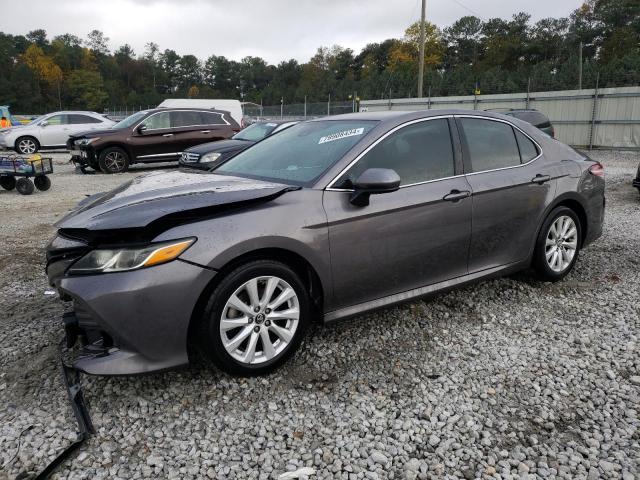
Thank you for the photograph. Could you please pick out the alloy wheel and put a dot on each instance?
(27, 146)
(259, 320)
(114, 161)
(561, 243)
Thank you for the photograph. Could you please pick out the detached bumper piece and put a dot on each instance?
(71, 380)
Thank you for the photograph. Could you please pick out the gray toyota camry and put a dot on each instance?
(328, 219)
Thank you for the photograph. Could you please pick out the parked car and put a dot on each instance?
(208, 155)
(530, 115)
(51, 130)
(328, 219)
(636, 181)
(158, 135)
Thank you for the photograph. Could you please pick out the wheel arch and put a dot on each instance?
(122, 146)
(32, 137)
(574, 202)
(293, 260)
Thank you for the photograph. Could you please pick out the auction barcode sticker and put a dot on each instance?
(344, 134)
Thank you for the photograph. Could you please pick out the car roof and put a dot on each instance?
(395, 115)
(276, 122)
(81, 112)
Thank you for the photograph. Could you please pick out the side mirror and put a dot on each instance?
(141, 129)
(44, 123)
(372, 182)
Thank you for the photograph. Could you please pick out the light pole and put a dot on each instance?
(421, 65)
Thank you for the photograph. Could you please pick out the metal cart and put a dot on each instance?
(16, 172)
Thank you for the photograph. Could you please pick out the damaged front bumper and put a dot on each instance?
(132, 322)
(71, 380)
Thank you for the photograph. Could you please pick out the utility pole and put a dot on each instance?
(421, 66)
(580, 71)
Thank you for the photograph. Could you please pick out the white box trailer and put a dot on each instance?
(232, 106)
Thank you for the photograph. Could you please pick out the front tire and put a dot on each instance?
(255, 319)
(113, 160)
(27, 145)
(8, 183)
(558, 245)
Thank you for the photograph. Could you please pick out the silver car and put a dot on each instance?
(51, 130)
(328, 219)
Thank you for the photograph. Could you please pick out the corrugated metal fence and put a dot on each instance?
(607, 117)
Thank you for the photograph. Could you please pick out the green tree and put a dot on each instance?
(85, 89)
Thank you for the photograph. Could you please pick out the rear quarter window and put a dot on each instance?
(528, 150)
(211, 118)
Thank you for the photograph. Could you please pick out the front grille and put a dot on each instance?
(189, 157)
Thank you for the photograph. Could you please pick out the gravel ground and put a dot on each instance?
(509, 378)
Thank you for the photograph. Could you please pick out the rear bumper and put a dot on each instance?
(133, 322)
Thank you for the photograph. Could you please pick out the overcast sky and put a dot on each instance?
(275, 30)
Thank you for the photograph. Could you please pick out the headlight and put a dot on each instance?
(210, 157)
(86, 141)
(125, 259)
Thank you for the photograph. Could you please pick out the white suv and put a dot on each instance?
(51, 130)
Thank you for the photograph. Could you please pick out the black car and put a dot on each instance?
(208, 155)
(636, 181)
(529, 115)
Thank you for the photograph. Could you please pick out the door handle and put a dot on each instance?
(456, 195)
(168, 135)
(205, 131)
(540, 179)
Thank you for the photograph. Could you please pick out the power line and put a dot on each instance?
(467, 8)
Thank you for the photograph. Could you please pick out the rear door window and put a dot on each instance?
(77, 119)
(186, 119)
(419, 152)
(528, 150)
(491, 145)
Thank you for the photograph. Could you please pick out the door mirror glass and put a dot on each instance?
(373, 181)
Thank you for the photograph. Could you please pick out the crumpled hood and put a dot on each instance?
(159, 195)
(221, 146)
(94, 133)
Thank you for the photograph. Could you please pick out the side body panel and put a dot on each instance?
(401, 241)
(294, 222)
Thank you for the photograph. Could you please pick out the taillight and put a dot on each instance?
(597, 169)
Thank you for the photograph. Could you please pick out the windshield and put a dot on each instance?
(299, 154)
(130, 120)
(255, 132)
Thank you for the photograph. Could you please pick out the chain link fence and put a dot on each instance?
(254, 112)
(298, 111)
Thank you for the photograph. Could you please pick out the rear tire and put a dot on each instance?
(42, 183)
(8, 183)
(27, 145)
(24, 186)
(267, 332)
(557, 245)
(113, 160)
